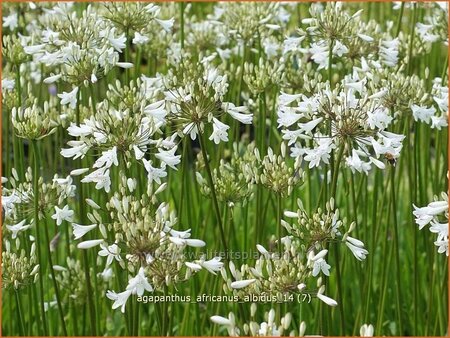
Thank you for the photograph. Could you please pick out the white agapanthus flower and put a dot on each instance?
(435, 214)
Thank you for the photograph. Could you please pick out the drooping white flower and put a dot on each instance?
(140, 39)
(169, 157)
(120, 299)
(422, 114)
(389, 52)
(242, 283)
(108, 158)
(238, 113)
(69, 98)
(166, 24)
(219, 131)
(16, 228)
(356, 247)
(81, 230)
(89, 244)
(100, 177)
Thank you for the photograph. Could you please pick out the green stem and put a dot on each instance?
(55, 284)
(397, 251)
(90, 298)
(213, 192)
(19, 312)
(36, 176)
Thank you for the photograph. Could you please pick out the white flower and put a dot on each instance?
(124, 65)
(389, 52)
(8, 84)
(438, 122)
(120, 299)
(139, 283)
(81, 230)
(16, 228)
(111, 252)
(154, 174)
(321, 153)
(213, 265)
(319, 54)
(339, 49)
(366, 330)
(169, 157)
(238, 113)
(52, 79)
(220, 320)
(424, 32)
(89, 244)
(423, 114)
(69, 98)
(157, 111)
(356, 247)
(100, 177)
(327, 300)
(242, 283)
(379, 118)
(64, 214)
(108, 158)
(166, 24)
(219, 131)
(321, 265)
(106, 274)
(355, 163)
(11, 21)
(140, 39)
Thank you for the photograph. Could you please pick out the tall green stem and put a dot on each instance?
(213, 192)
(36, 175)
(55, 284)
(90, 298)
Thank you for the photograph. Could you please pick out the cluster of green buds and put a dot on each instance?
(276, 275)
(270, 327)
(18, 200)
(33, 122)
(401, 90)
(276, 174)
(130, 17)
(315, 230)
(10, 97)
(300, 75)
(330, 24)
(195, 93)
(133, 97)
(72, 279)
(143, 235)
(250, 21)
(234, 178)
(19, 269)
(263, 75)
(13, 51)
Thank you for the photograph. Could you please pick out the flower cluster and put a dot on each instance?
(268, 328)
(435, 214)
(140, 237)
